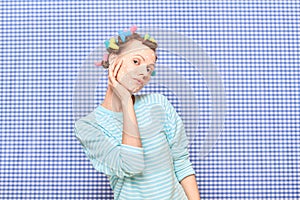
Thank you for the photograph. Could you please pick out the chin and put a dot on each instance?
(135, 90)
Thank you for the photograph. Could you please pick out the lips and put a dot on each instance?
(139, 81)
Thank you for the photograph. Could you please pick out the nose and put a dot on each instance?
(144, 71)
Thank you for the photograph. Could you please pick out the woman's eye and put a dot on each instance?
(149, 69)
(135, 61)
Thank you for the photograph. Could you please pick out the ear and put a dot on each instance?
(112, 57)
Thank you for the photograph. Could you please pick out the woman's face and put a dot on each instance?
(136, 69)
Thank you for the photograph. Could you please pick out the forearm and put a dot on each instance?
(130, 134)
(190, 187)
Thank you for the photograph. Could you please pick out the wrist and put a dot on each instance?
(127, 102)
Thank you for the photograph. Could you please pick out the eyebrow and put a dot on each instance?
(151, 65)
(144, 59)
(141, 56)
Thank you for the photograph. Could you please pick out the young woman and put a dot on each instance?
(138, 141)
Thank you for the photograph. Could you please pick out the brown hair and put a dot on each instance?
(122, 45)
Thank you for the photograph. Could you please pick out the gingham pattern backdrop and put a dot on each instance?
(254, 44)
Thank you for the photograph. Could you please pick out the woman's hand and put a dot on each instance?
(120, 91)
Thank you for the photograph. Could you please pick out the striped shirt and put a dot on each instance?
(152, 171)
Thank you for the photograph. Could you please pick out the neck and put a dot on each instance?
(113, 102)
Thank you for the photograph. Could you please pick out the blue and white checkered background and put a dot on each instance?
(254, 44)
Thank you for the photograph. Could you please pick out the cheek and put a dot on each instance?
(125, 74)
(126, 67)
(123, 70)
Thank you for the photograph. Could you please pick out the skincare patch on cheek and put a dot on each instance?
(135, 72)
(128, 79)
(140, 69)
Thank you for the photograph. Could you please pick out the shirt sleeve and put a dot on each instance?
(108, 156)
(178, 142)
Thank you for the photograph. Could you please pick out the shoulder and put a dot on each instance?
(153, 98)
(86, 122)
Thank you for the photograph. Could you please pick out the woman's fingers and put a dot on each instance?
(117, 87)
(117, 68)
(111, 73)
(113, 76)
